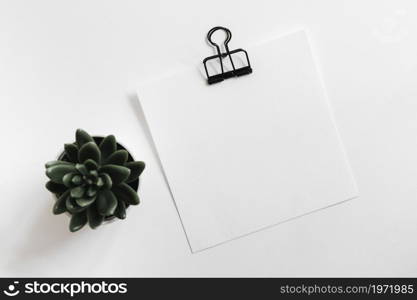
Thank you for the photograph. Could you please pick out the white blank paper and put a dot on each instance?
(249, 152)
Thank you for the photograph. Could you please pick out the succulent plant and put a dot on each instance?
(93, 181)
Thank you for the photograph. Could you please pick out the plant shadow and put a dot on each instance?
(48, 235)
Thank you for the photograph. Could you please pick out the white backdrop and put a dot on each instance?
(71, 64)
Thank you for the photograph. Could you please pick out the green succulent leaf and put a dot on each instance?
(78, 221)
(78, 191)
(56, 162)
(85, 201)
(71, 150)
(93, 216)
(125, 193)
(59, 206)
(106, 203)
(118, 157)
(93, 174)
(72, 206)
(118, 174)
(92, 191)
(120, 211)
(105, 180)
(82, 169)
(57, 172)
(67, 179)
(108, 146)
(82, 137)
(89, 150)
(76, 179)
(91, 165)
(136, 168)
(100, 182)
(55, 188)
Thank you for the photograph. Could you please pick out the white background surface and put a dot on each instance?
(70, 64)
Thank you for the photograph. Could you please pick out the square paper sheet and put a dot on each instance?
(249, 152)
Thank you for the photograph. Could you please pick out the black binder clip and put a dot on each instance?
(220, 56)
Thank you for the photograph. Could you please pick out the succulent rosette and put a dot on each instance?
(93, 181)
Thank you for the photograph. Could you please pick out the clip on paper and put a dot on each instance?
(220, 56)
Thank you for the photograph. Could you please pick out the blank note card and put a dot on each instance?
(249, 152)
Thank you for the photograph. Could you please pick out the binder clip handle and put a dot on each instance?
(226, 41)
(220, 56)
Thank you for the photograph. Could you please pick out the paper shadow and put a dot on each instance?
(137, 108)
